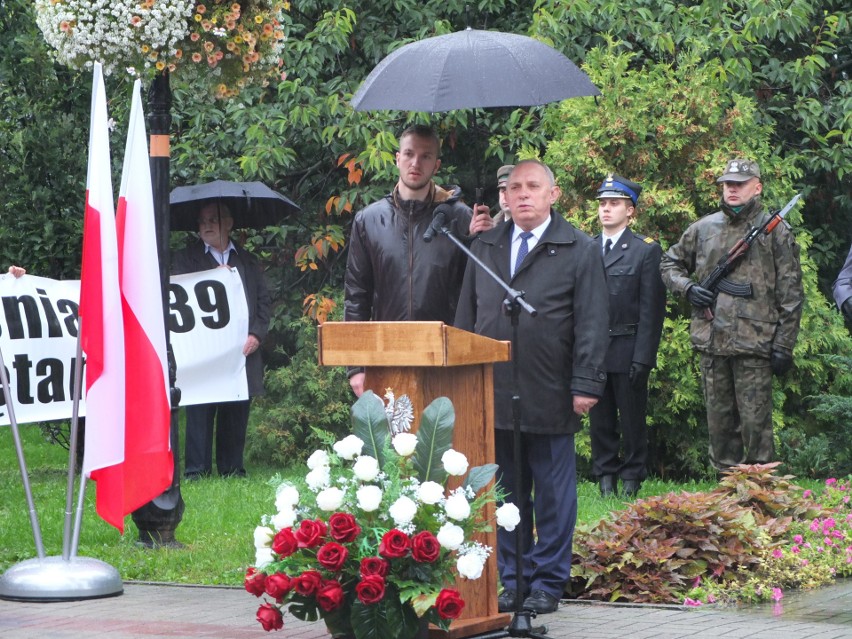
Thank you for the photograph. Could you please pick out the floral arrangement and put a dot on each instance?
(232, 42)
(373, 536)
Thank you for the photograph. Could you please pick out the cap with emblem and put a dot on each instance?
(503, 175)
(615, 186)
(740, 170)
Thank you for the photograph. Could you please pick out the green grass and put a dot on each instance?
(217, 526)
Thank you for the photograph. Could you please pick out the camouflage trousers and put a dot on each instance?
(738, 396)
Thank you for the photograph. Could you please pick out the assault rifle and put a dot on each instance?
(716, 281)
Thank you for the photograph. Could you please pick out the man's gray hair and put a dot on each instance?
(546, 168)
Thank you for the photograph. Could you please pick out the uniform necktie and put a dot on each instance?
(523, 249)
(607, 245)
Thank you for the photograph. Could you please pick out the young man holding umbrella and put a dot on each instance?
(215, 248)
(397, 269)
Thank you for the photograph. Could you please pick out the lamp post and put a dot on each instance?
(158, 519)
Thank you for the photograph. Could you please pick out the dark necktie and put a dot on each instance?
(607, 246)
(523, 249)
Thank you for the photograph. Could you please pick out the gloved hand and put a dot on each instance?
(699, 296)
(847, 309)
(780, 362)
(638, 375)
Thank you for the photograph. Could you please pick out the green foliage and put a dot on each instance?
(304, 400)
(653, 551)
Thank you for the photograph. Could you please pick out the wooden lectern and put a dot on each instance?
(427, 360)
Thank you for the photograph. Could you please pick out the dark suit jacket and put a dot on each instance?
(561, 350)
(637, 298)
(194, 258)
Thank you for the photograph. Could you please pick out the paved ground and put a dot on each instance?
(151, 611)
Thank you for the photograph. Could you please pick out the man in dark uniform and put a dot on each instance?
(503, 214)
(637, 302)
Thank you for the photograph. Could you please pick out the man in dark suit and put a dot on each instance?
(843, 288)
(637, 303)
(215, 248)
(560, 355)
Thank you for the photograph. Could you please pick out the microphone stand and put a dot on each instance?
(521, 625)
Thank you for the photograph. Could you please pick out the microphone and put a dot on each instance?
(435, 226)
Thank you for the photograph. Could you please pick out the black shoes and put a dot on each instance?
(630, 487)
(541, 602)
(608, 485)
(507, 600)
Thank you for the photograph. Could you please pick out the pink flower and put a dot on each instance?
(806, 494)
(815, 525)
(696, 582)
(777, 595)
(711, 598)
(805, 562)
(830, 482)
(691, 602)
(795, 550)
(798, 539)
(777, 553)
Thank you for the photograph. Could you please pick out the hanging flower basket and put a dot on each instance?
(227, 43)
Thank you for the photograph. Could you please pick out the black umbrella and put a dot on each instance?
(252, 204)
(471, 69)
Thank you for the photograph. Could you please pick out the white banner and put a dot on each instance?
(208, 323)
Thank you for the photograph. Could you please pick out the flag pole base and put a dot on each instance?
(58, 579)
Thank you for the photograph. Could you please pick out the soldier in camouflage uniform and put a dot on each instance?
(753, 332)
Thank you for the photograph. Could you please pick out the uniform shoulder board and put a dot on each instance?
(648, 240)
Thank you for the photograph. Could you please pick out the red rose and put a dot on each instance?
(394, 544)
(332, 556)
(311, 533)
(307, 583)
(425, 547)
(371, 589)
(449, 604)
(330, 595)
(374, 566)
(284, 543)
(278, 585)
(343, 527)
(254, 582)
(270, 617)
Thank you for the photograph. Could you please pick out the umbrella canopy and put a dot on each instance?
(252, 204)
(471, 69)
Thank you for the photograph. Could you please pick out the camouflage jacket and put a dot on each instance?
(768, 319)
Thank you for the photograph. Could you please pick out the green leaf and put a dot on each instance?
(387, 619)
(479, 476)
(434, 438)
(370, 424)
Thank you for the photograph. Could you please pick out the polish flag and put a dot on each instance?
(127, 448)
(101, 328)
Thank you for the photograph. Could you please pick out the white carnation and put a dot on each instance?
(430, 492)
(508, 516)
(349, 447)
(263, 557)
(286, 497)
(450, 536)
(470, 566)
(403, 510)
(457, 506)
(263, 537)
(330, 499)
(369, 498)
(455, 463)
(285, 518)
(366, 468)
(318, 478)
(404, 444)
(317, 459)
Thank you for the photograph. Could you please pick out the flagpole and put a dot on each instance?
(69, 549)
(158, 519)
(25, 478)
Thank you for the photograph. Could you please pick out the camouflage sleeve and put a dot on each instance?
(789, 293)
(678, 263)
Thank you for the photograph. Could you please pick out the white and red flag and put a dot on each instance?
(127, 407)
